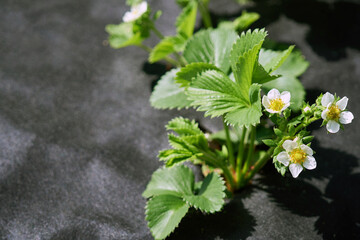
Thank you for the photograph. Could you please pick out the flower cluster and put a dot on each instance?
(291, 152)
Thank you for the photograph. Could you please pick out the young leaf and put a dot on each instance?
(185, 22)
(243, 57)
(176, 181)
(168, 94)
(211, 46)
(164, 214)
(161, 50)
(191, 71)
(269, 142)
(241, 23)
(183, 126)
(210, 197)
(175, 156)
(272, 60)
(122, 35)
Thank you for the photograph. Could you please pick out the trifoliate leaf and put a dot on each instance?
(261, 76)
(210, 197)
(191, 71)
(272, 60)
(122, 35)
(250, 114)
(180, 143)
(244, 54)
(294, 65)
(214, 93)
(168, 94)
(185, 22)
(211, 46)
(184, 126)
(164, 214)
(176, 181)
(291, 84)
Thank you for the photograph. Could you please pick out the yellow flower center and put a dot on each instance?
(276, 104)
(297, 156)
(334, 113)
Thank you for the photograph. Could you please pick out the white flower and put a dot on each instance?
(136, 12)
(307, 109)
(274, 102)
(334, 113)
(298, 156)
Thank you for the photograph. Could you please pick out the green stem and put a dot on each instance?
(240, 154)
(157, 32)
(260, 163)
(181, 59)
(208, 157)
(229, 144)
(249, 155)
(204, 11)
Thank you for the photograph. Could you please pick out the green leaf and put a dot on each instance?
(272, 60)
(184, 126)
(294, 65)
(191, 71)
(161, 50)
(185, 22)
(214, 93)
(210, 197)
(291, 84)
(122, 35)
(133, 2)
(249, 115)
(164, 214)
(261, 76)
(168, 94)
(211, 46)
(176, 181)
(245, 20)
(175, 156)
(244, 54)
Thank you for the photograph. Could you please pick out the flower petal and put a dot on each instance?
(284, 158)
(285, 96)
(289, 145)
(346, 117)
(128, 17)
(266, 101)
(285, 107)
(326, 99)
(324, 114)
(309, 163)
(306, 149)
(332, 126)
(295, 169)
(342, 103)
(273, 94)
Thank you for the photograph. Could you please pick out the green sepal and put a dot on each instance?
(307, 139)
(269, 142)
(278, 132)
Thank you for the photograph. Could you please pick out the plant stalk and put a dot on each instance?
(240, 154)
(204, 11)
(229, 144)
(249, 155)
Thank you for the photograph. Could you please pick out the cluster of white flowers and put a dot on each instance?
(334, 113)
(297, 157)
(135, 12)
